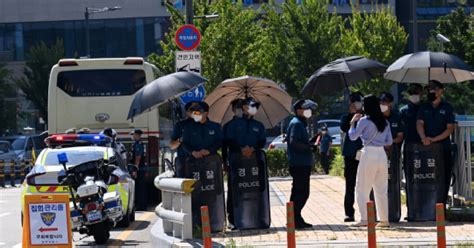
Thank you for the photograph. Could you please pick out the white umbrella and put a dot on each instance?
(275, 103)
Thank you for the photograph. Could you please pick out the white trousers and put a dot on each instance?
(372, 173)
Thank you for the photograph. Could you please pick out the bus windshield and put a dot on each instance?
(103, 82)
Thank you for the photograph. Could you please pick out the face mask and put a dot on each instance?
(358, 105)
(307, 113)
(383, 108)
(414, 98)
(238, 112)
(324, 132)
(431, 96)
(252, 110)
(197, 118)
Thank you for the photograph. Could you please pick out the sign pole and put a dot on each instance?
(189, 11)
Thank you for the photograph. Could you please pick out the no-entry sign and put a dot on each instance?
(188, 37)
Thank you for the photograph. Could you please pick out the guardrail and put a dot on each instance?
(175, 207)
(13, 170)
(463, 166)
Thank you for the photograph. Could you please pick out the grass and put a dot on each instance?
(231, 244)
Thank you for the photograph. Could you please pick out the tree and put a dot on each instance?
(34, 84)
(459, 28)
(5, 121)
(377, 35)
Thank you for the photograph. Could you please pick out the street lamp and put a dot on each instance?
(442, 39)
(86, 16)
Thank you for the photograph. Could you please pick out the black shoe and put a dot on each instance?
(302, 225)
(349, 219)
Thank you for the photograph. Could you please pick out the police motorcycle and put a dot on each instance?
(95, 210)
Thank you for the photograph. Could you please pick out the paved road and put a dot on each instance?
(137, 234)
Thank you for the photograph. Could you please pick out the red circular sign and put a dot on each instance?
(188, 37)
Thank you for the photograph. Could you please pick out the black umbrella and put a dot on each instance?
(421, 67)
(342, 73)
(163, 89)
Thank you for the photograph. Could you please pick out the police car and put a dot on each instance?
(81, 148)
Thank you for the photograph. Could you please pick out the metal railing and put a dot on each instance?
(13, 170)
(463, 166)
(175, 207)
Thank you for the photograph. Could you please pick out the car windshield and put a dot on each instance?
(74, 157)
(19, 144)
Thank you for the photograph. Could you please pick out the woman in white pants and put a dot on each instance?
(372, 173)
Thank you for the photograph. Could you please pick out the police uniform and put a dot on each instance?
(408, 117)
(138, 149)
(435, 123)
(181, 154)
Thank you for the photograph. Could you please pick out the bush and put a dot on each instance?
(277, 163)
(337, 164)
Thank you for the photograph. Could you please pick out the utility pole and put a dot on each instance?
(415, 26)
(189, 11)
(88, 48)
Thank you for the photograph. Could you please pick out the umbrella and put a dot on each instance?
(275, 103)
(162, 89)
(342, 73)
(421, 67)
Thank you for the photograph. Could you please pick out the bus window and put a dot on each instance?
(105, 82)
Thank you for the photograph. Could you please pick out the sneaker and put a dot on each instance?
(349, 219)
(361, 223)
(383, 224)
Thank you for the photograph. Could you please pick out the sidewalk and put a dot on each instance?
(325, 211)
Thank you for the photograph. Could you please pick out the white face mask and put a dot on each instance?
(307, 113)
(383, 108)
(414, 98)
(197, 118)
(358, 105)
(252, 110)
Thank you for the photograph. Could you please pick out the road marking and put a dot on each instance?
(4, 214)
(124, 235)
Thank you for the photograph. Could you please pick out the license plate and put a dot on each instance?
(94, 216)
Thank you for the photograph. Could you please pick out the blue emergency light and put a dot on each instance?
(62, 158)
(97, 139)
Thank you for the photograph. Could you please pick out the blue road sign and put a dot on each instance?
(188, 37)
(196, 94)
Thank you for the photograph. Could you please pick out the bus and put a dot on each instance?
(97, 93)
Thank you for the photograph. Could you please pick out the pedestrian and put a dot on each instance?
(349, 150)
(236, 106)
(325, 143)
(435, 124)
(408, 117)
(300, 158)
(374, 131)
(138, 169)
(176, 139)
(245, 137)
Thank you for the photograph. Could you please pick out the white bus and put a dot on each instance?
(97, 93)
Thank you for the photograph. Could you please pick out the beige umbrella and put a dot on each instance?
(275, 103)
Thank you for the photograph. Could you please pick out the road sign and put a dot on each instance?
(196, 94)
(188, 37)
(47, 221)
(188, 61)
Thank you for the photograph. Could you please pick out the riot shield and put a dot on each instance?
(209, 191)
(251, 200)
(424, 167)
(394, 202)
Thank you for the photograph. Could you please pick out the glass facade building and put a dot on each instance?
(108, 37)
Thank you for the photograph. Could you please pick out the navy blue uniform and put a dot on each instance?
(326, 140)
(436, 121)
(138, 149)
(408, 117)
(181, 154)
(201, 136)
(300, 158)
(395, 123)
(349, 150)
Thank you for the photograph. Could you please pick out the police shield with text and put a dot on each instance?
(201, 139)
(393, 154)
(245, 138)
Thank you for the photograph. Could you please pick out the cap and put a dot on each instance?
(414, 88)
(199, 106)
(84, 130)
(137, 131)
(188, 105)
(435, 84)
(324, 128)
(356, 97)
(386, 97)
(304, 104)
(252, 102)
(237, 103)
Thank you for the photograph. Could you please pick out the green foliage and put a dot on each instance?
(5, 121)
(337, 164)
(41, 59)
(285, 42)
(459, 28)
(378, 36)
(277, 163)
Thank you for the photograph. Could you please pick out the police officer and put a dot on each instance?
(202, 137)
(138, 171)
(349, 150)
(435, 124)
(176, 138)
(117, 146)
(393, 116)
(300, 158)
(244, 136)
(237, 110)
